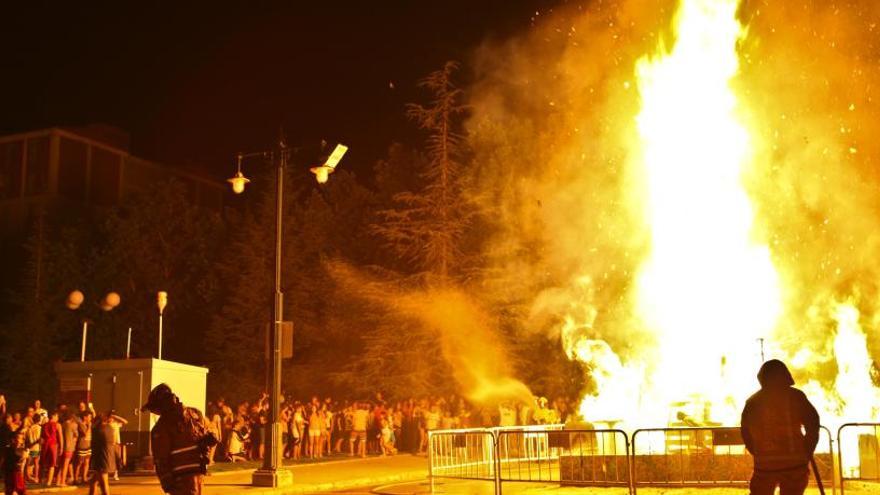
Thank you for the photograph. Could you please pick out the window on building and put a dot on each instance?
(72, 168)
(36, 179)
(10, 169)
(105, 174)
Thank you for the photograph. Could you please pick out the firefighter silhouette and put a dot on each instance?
(780, 429)
(180, 443)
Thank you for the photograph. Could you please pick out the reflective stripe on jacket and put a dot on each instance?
(175, 447)
(780, 428)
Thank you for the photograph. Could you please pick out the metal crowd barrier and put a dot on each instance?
(858, 453)
(669, 457)
(702, 456)
(462, 454)
(584, 457)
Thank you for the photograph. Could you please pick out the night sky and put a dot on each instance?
(194, 82)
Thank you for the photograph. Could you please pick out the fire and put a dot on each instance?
(707, 285)
(699, 204)
(707, 292)
(858, 397)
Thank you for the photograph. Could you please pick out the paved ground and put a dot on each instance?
(403, 475)
(466, 487)
(345, 476)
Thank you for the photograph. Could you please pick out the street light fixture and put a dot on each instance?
(322, 172)
(238, 180)
(270, 474)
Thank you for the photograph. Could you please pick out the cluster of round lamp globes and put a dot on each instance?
(107, 303)
(76, 298)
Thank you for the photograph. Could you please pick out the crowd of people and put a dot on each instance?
(67, 445)
(74, 444)
(317, 428)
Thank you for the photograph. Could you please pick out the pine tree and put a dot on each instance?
(426, 226)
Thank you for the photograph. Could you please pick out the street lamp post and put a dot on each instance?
(161, 302)
(270, 474)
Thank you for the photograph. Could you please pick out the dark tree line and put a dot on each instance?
(411, 226)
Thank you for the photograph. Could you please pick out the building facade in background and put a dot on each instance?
(91, 166)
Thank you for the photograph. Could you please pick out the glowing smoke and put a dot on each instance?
(554, 129)
(468, 337)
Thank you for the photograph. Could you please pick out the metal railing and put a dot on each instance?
(702, 456)
(462, 454)
(858, 454)
(586, 457)
(689, 456)
(679, 456)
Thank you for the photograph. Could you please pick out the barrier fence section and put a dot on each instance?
(702, 456)
(669, 457)
(586, 457)
(463, 454)
(858, 453)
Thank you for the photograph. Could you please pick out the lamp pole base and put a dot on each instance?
(277, 478)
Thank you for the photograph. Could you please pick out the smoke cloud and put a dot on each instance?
(467, 334)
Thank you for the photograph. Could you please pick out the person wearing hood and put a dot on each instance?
(780, 428)
(180, 442)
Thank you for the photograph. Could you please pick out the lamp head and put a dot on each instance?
(161, 301)
(322, 173)
(238, 182)
(110, 301)
(74, 299)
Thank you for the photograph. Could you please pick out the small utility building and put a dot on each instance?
(123, 385)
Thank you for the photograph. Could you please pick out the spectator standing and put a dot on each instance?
(116, 423)
(38, 409)
(298, 429)
(215, 425)
(50, 436)
(408, 428)
(506, 415)
(103, 459)
(327, 417)
(69, 435)
(386, 436)
(359, 422)
(422, 417)
(83, 448)
(32, 441)
(432, 419)
(228, 420)
(344, 426)
(316, 432)
(15, 456)
(7, 431)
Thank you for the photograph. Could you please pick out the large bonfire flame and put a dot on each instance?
(708, 290)
(683, 188)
